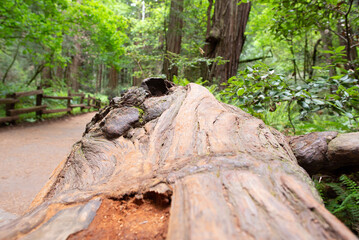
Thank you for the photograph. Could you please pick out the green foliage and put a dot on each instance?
(48, 33)
(259, 89)
(102, 30)
(341, 197)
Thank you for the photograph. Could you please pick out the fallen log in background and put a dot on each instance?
(173, 162)
(326, 152)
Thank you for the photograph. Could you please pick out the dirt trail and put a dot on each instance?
(29, 154)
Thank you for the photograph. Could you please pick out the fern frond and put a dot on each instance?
(350, 184)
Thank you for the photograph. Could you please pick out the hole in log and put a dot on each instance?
(129, 218)
(157, 86)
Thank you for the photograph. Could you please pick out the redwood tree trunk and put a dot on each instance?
(99, 78)
(73, 68)
(46, 77)
(173, 38)
(222, 173)
(113, 78)
(226, 37)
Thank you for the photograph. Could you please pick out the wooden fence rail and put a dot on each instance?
(12, 113)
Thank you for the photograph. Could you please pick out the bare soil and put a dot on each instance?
(28, 155)
(128, 219)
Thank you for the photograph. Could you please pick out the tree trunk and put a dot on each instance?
(347, 40)
(173, 38)
(314, 58)
(46, 77)
(328, 45)
(99, 78)
(226, 37)
(12, 63)
(73, 68)
(219, 172)
(113, 78)
(326, 152)
(59, 73)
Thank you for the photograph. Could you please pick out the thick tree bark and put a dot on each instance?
(73, 68)
(326, 152)
(46, 77)
(173, 38)
(99, 78)
(112, 78)
(226, 37)
(224, 173)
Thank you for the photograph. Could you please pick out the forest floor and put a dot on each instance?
(28, 155)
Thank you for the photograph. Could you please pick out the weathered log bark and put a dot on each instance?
(226, 175)
(326, 152)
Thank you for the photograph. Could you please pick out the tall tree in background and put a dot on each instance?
(226, 37)
(72, 71)
(173, 38)
(113, 78)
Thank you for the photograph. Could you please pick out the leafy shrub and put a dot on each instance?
(259, 89)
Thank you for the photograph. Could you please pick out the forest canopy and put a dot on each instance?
(294, 59)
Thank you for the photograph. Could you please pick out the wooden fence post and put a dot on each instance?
(89, 102)
(10, 106)
(82, 101)
(39, 102)
(69, 102)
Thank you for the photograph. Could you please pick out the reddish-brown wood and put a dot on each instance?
(69, 101)
(14, 112)
(326, 152)
(228, 175)
(173, 38)
(30, 93)
(8, 119)
(226, 37)
(8, 100)
(11, 99)
(39, 103)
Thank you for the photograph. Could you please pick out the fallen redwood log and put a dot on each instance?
(173, 162)
(326, 152)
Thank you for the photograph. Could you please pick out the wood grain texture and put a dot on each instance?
(231, 176)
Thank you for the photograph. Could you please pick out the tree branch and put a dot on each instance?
(38, 70)
(12, 63)
(347, 29)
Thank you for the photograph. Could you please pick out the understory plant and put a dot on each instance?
(341, 197)
(260, 89)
